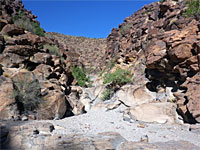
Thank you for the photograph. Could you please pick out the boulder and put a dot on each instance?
(135, 95)
(39, 136)
(53, 106)
(42, 58)
(43, 71)
(155, 112)
(11, 29)
(12, 60)
(180, 53)
(22, 50)
(28, 39)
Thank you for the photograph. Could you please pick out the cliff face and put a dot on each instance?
(34, 75)
(169, 42)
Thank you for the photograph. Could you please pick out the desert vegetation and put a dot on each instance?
(193, 8)
(21, 20)
(27, 93)
(114, 80)
(80, 75)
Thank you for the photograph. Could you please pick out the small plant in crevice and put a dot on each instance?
(80, 75)
(27, 93)
(106, 94)
(22, 21)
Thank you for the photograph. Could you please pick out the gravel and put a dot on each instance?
(97, 121)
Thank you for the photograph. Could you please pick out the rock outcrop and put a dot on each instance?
(33, 81)
(169, 43)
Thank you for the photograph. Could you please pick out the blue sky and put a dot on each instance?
(82, 18)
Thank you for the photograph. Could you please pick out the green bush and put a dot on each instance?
(106, 94)
(21, 20)
(193, 7)
(80, 75)
(114, 81)
(27, 92)
(119, 77)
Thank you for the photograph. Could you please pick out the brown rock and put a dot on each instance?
(53, 106)
(7, 99)
(157, 53)
(11, 30)
(42, 58)
(27, 39)
(193, 95)
(77, 107)
(22, 50)
(180, 53)
(43, 71)
(12, 60)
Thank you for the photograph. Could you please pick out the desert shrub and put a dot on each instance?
(193, 7)
(114, 81)
(27, 93)
(53, 49)
(21, 20)
(119, 77)
(80, 75)
(106, 94)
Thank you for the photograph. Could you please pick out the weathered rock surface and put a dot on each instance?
(134, 96)
(11, 30)
(170, 43)
(155, 112)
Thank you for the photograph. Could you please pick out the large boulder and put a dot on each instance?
(53, 106)
(27, 39)
(12, 60)
(135, 95)
(11, 29)
(22, 50)
(155, 112)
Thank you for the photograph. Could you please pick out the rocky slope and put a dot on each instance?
(149, 99)
(90, 50)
